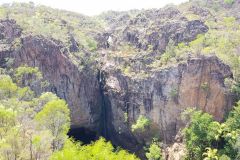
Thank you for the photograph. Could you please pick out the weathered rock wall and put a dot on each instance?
(80, 88)
(165, 94)
(108, 102)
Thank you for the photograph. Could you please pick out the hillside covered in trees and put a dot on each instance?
(141, 84)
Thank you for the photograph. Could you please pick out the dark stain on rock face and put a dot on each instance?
(82, 134)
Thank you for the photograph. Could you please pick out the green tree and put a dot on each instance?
(7, 120)
(40, 145)
(154, 151)
(11, 147)
(204, 133)
(22, 136)
(98, 150)
(27, 76)
(233, 120)
(232, 132)
(199, 134)
(7, 87)
(141, 123)
(210, 154)
(55, 116)
(43, 100)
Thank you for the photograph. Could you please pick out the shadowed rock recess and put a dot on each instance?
(106, 102)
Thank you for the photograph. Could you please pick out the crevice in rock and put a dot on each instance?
(105, 128)
(202, 63)
(208, 91)
(104, 106)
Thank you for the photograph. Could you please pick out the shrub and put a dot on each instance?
(154, 151)
(174, 94)
(210, 154)
(229, 1)
(125, 117)
(205, 86)
(141, 124)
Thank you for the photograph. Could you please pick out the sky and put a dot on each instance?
(94, 7)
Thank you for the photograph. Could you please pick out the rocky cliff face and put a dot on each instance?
(165, 94)
(103, 99)
(151, 29)
(79, 88)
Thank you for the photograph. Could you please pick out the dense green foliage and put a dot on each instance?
(20, 138)
(208, 139)
(200, 134)
(99, 150)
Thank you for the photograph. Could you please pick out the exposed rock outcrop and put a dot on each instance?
(164, 95)
(9, 30)
(153, 28)
(177, 151)
(80, 88)
(108, 102)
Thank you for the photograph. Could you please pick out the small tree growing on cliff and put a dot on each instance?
(141, 124)
(154, 151)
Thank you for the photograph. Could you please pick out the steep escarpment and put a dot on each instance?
(80, 88)
(164, 95)
(100, 100)
(112, 76)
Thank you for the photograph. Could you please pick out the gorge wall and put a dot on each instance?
(164, 95)
(104, 100)
(79, 88)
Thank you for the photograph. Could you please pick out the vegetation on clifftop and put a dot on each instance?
(52, 23)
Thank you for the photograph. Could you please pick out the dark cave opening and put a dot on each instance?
(82, 134)
(86, 135)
